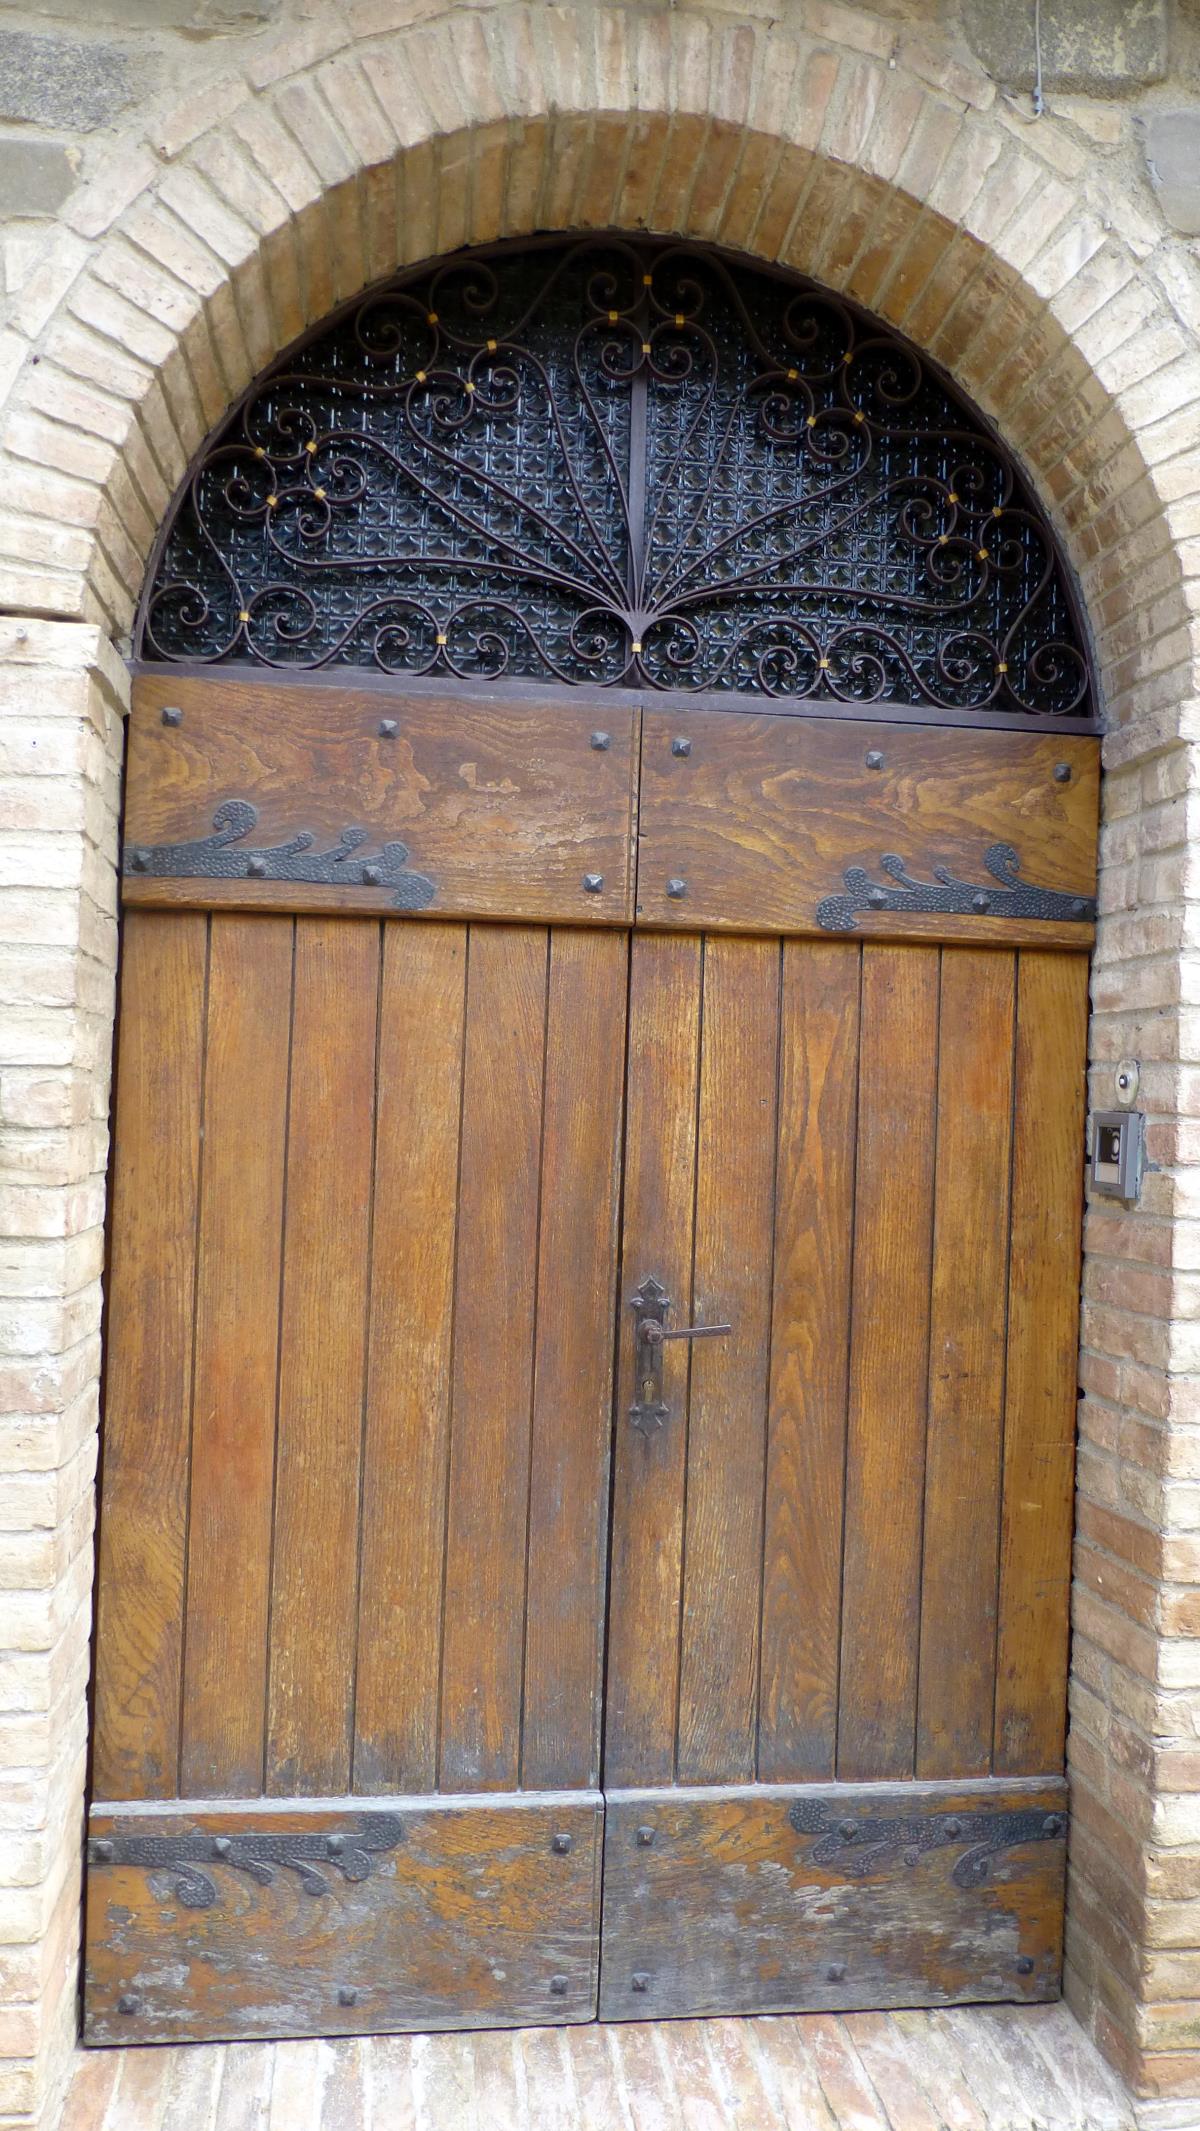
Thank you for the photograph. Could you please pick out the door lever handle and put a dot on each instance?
(651, 1303)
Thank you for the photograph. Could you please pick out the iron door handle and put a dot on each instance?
(651, 1303)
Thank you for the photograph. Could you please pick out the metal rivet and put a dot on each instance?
(559, 1986)
(681, 747)
(128, 2002)
(640, 1982)
(1053, 1824)
(102, 1852)
(257, 867)
(600, 741)
(388, 728)
(981, 902)
(874, 759)
(836, 1972)
(172, 715)
(1025, 1964)
(953, 1829)
(676, 889)
(912, 1855)
(593, 882)
(372, 875)
(139, 860)
(1062, 773)
(221, 1846)
(847, 1829)
(334, 1843)
(347, 1995)
(645, 1836)
(560, 1844)
(877, 897)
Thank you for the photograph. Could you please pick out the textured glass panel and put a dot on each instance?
(620, 461)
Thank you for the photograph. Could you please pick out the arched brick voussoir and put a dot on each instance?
(346, 160)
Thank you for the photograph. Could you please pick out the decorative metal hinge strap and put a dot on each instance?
(1012, 898)
(188, 1860)
(225, 856)
(860, 1849)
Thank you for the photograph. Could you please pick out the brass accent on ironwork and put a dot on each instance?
(862, 1849)
(190, 1862)
(1011, 898)
(624, 461)
(224, 856)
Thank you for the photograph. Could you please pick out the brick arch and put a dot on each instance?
(238, 235)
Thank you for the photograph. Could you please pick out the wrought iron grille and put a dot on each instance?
(625, 462)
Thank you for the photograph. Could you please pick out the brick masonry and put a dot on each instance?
(274, 160)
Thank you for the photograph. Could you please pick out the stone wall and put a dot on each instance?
(233, 169)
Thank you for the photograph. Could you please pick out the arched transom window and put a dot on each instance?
(627, 462)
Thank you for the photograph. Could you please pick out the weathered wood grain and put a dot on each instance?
(322, 1347)
(642, 1687)
(749, 1899)
(567, 1544)
(148, 1390)
(763, 815)
(474, 1912)
(885, 1458)
(418, 1114)
(1043, 1341)
(810, 1349)
(237, 1351)
(504, 805)
(960, 1542)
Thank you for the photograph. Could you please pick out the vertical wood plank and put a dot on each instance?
(810, 1339)
(573, 1383)
(648, 1475)
(495, 1287)
(314, 1574)
(735, 1188)
(966, 1364)
(1043, 1339)
(143, 1531)
(422, 1004)
(885, 1476)
(237, 1334)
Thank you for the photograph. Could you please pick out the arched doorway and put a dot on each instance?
(610, 856)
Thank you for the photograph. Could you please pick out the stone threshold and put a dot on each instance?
(976, 2068)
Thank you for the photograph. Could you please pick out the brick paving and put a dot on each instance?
(967, 2069)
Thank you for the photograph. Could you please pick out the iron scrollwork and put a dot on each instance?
(189, 1861)
(225, 856)
(1012, 898)
(624, 462)
(860, 1849)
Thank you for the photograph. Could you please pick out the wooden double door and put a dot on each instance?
(474, 1648)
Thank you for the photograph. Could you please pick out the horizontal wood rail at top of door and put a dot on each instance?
(213, 1920)
(244, 794)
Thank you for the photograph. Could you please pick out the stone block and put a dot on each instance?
(56, 81)
(1090, 47)
(1171, 145)
(35, 175)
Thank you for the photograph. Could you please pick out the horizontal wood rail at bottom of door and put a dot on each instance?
(263, 1918)
(770, 1898)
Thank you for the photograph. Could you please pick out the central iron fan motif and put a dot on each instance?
(620, 462)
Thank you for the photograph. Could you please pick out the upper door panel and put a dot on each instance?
(770, 823)
(256, 794)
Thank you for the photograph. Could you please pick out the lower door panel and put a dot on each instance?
(334, 1917)
(770, 1898)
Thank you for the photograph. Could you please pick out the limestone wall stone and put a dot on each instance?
(240, 166)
